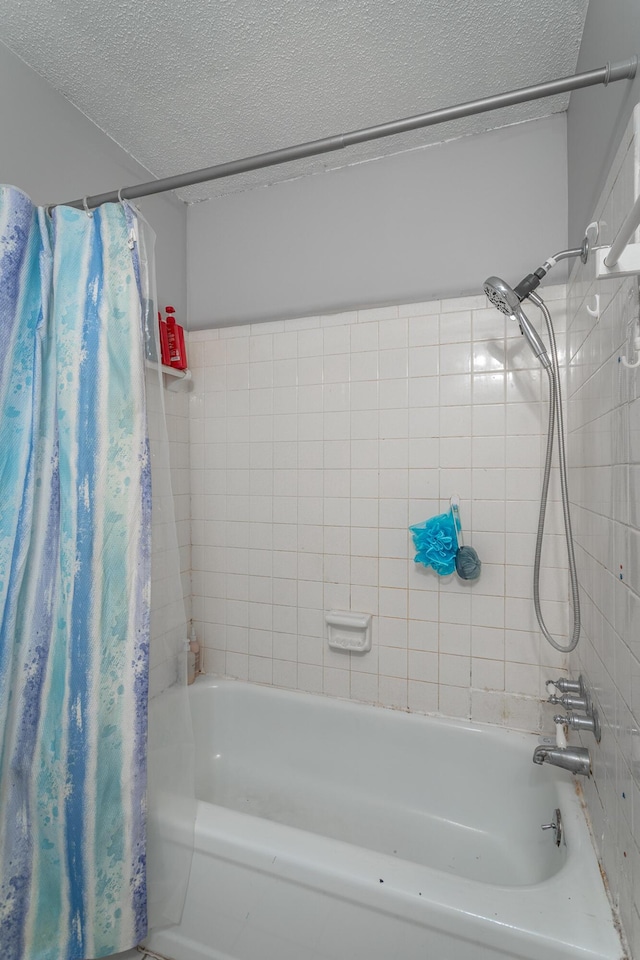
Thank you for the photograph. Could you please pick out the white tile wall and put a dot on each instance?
(604, 425)
(314, 444)
(171, 542)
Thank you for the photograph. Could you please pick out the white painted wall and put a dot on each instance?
(421, 225)
(55, 154)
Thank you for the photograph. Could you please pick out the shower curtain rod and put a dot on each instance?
(624, 70)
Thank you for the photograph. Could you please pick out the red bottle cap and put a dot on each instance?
(170, 309)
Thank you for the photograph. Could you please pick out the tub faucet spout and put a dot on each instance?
(575, 759)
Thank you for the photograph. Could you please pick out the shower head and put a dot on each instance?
(507, 301)
(502, 296)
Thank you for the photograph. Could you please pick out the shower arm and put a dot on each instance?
(532, 280)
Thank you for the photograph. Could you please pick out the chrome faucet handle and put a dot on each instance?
(564, 685)
(577, 722)
(572, 702)
(579, 703)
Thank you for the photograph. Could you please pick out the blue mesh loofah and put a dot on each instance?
(436, 543)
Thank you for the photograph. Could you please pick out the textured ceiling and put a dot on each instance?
(183, 85)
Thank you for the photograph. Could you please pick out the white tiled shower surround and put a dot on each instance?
(314, 444)
(604, 455)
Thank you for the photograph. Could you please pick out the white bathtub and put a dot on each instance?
(329, 830)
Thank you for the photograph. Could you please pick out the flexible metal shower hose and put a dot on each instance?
(555, 421)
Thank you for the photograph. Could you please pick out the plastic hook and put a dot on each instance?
(592, 233)
(594, 311)
(632, 364)
(88, 212)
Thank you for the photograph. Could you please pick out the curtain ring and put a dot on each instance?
(88, 212)
(120, 200)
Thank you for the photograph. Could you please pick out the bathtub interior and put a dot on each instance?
(262, 885)
(397, 784)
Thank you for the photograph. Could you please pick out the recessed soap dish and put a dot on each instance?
(349, 631)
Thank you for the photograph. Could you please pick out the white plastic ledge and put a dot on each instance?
(348, 631)
(179, 376)
(627, 265)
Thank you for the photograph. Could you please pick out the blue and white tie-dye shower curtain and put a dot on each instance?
(74, 584)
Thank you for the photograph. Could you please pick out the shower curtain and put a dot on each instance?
(74, 583)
